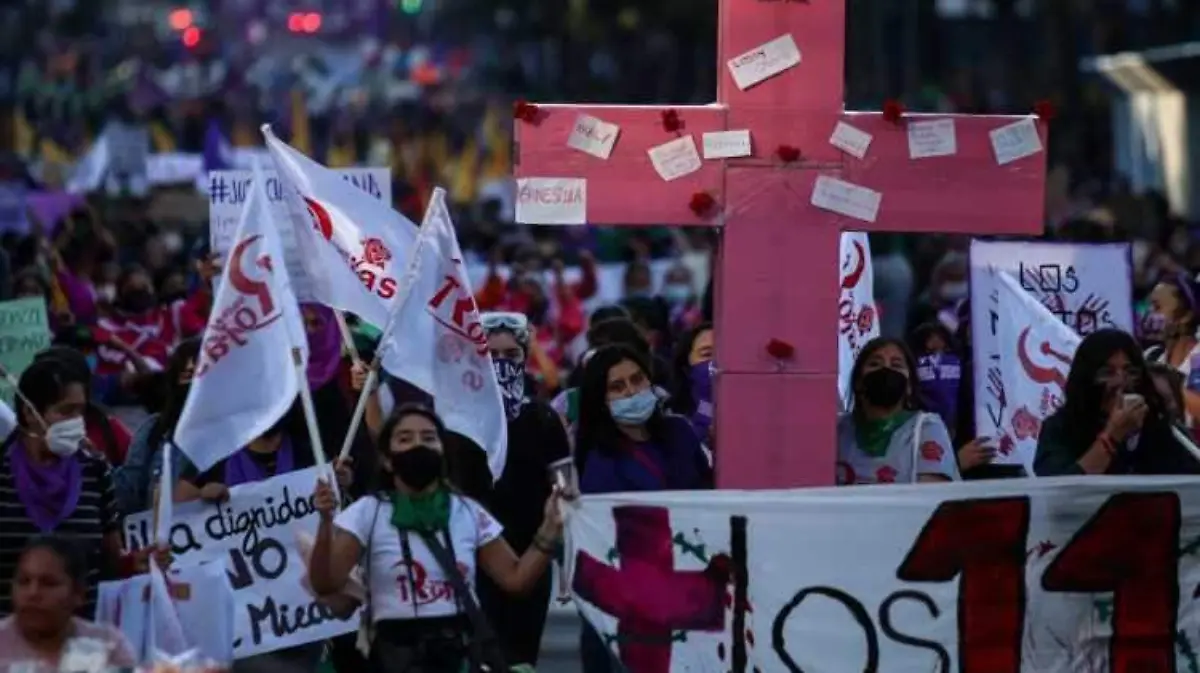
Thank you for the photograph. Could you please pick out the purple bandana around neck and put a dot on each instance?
(50, 493)
(324, 344)
(242, 468)
(938, 376)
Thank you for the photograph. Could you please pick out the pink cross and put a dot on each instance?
(776, 278)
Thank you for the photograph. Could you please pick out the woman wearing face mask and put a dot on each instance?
(1175, 317)
(1112, 420)
(885, 438)
(58, 487)
(536, 440)
(283, 448)
(692, 380)
(947, 287)
(625, 442)
(419, 619)
(106, 434)
(137, 321)
(134, 478)
(49, 588)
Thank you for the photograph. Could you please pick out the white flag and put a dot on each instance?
(353, 247)
(438, 343)
(1028, 382)
(245, 377)
(858, 320)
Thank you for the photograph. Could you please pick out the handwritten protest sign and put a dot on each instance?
(255, 534)
(24, 331)
(1086, 286)
(1065, 574)
(227, 192)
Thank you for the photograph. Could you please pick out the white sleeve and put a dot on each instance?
(935, 452)
(386, 402)
(358, 518)
(487, 528)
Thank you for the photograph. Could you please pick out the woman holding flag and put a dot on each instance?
(420, 543)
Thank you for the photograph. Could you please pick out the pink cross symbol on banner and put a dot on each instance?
(776, 281)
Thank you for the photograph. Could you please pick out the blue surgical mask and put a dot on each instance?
(634, 410)
(676, 294)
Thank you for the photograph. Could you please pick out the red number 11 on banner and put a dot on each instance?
(1129, 547)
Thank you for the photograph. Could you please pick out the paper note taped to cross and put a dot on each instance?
(1021, 576)
(227, 192)
(255, 534)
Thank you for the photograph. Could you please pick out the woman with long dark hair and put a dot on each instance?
(1112, 420)
(626, 442)
(418, 540)
(886, 437)
(133, 479)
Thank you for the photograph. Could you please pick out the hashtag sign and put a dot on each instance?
(218, 190)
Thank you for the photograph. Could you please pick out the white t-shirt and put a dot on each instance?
(1185, 368)
(392, 596)
(907, 456)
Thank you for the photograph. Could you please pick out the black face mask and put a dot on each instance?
(418, 467)
(884, 387)
(138, 300)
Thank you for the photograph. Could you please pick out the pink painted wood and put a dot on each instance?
(777, 277)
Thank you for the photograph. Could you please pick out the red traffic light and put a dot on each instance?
(191, 37)
(300, 22)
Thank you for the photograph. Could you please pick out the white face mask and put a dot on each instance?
(64, 437)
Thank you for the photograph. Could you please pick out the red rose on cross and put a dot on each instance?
(787, 154)
(893, 111)
(701, 203)
(526, 112)
(671, 121)
(375, 252)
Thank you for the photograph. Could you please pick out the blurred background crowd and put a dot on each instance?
(426, 87)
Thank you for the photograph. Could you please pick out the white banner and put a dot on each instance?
(203, 599)
(1070, 575)
(255, 535)
(227, 192)
(1087, 286)
(858, 318)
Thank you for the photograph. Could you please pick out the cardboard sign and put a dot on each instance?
(255, 535)
(24, 332)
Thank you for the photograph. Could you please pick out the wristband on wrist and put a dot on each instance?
(545, 546)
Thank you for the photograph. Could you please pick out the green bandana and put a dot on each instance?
(429, 512)
(873, 436)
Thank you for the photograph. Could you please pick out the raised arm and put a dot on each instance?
(336, 550)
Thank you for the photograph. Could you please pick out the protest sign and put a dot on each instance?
(1088, 286)
(203, 599)
(254, 534)
(1085, 286)
(1064, 574)
(858, 320)
(227, 192)
(13, 203)
(24, 331)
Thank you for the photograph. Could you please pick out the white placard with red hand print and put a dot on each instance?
(1027, 373)
(858, 319)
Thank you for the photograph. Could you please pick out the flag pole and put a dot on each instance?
(404, 292)
(347, 336)
(310, 416)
